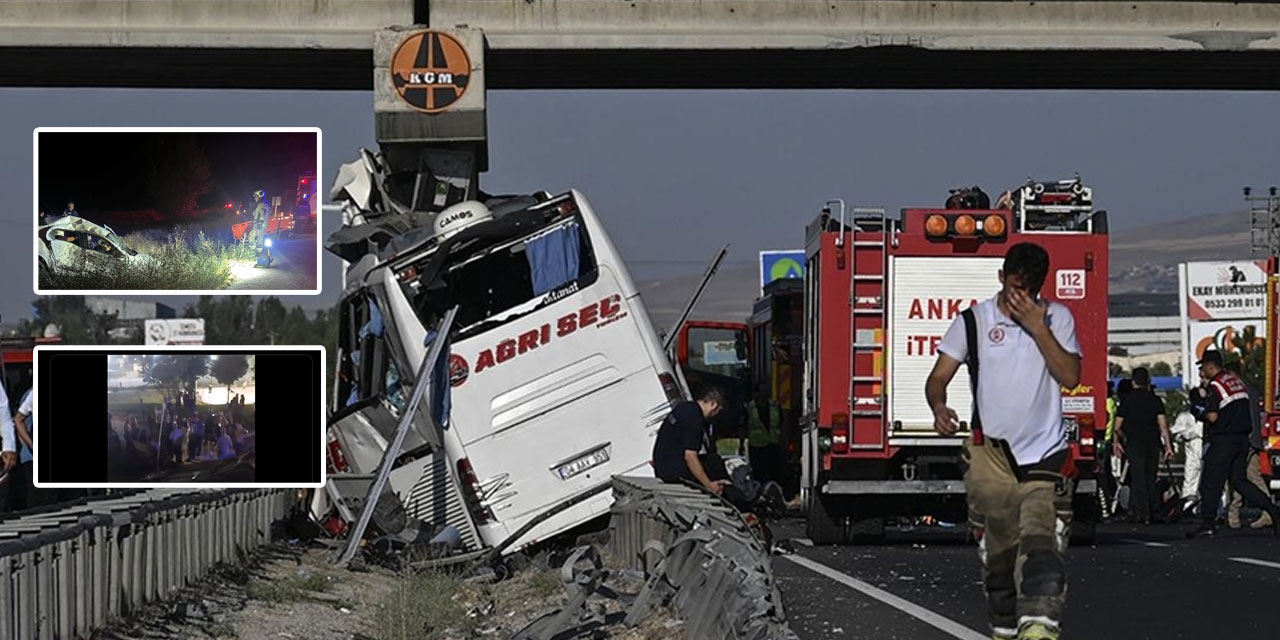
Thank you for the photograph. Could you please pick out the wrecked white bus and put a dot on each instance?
(557, 380)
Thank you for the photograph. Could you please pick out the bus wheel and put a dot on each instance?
(820, 525)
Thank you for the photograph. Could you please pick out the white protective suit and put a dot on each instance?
(1187, 430)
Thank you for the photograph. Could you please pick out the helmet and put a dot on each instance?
(260, 194)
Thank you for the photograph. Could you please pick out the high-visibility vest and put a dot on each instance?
(1111, 417)
(760, 434)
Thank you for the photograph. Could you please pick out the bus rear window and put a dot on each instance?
(508, 279)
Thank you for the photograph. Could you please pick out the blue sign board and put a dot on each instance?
(778, 265)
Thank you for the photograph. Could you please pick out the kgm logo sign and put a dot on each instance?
(430, 70)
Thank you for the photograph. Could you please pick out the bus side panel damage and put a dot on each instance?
(553, 382)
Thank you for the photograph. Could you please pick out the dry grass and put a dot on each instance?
(425, 606)
(296, 588)
(195, 263)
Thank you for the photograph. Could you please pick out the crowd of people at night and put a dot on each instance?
(178, 432)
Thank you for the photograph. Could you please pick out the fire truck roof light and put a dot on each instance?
(966, 225)
(993, 226)
(936, 225)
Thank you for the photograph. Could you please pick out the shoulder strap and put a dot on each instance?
(971, 359)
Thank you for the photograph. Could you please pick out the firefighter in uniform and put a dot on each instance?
(764, 431)
(1019, 479)
(259, 229)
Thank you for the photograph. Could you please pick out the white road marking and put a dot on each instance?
(946, 625)
(1260, 563)
(804, 542)
(1146, 543)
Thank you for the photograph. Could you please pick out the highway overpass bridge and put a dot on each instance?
(762, 44)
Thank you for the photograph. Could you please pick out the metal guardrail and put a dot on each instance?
(697, 552)
(67, 572)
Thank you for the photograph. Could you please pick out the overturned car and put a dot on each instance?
(75, 244)
(552, 380)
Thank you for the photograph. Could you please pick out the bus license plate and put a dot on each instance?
(574, 467)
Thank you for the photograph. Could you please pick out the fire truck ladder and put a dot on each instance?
(868, 296)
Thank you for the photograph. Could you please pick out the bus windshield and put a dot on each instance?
(718, 351)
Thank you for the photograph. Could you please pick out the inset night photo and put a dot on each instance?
(192, 211)
(181, 417)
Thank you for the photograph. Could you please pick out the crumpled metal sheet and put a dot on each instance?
(701, 557)
(577, 616)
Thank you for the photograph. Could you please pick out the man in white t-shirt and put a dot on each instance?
(1017, 478)
(8, 448)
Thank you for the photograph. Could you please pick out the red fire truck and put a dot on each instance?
(880, 294)
(1270, 461)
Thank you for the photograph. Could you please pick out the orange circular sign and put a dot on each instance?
(430, 70)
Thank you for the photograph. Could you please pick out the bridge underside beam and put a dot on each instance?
(554, 44)
(865, 68)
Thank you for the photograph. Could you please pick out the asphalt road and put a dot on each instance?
(1136, 582)
(293, 267)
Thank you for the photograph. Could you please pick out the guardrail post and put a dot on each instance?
(202, 513)
(117, 562)
(66, 610)
(81, 589)
(150, 575)
(189, 543)
(99, 571)
(7, 599)
(172, 554)
(28, 595)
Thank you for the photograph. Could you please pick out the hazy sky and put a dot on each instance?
(675, 174)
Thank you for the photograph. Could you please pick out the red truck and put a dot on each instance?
(279, 221)
(1270, 461)
(718, 353)
(16, 355)
(294, 212)
(879, 294)
(774, 357)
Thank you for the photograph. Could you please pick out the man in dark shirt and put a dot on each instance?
(1256, 447)
(1227, 426)
(1142, 431)
(683, 438)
